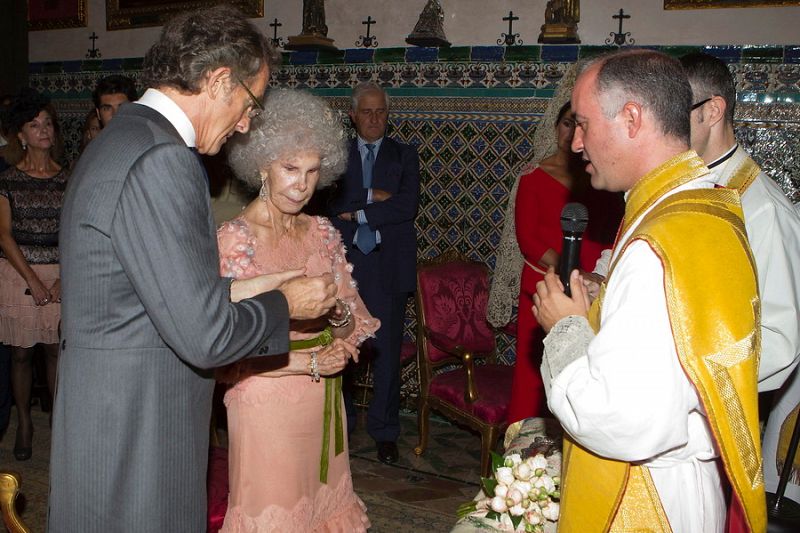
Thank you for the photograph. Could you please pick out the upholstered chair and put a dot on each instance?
(453, 338)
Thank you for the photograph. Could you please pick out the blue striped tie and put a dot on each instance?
(365, 237)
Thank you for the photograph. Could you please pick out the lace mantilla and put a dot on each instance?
(506, 278)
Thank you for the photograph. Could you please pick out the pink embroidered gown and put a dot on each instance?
(275, 425)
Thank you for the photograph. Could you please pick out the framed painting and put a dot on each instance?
(56, 14)
(126, 14)
(709, 4)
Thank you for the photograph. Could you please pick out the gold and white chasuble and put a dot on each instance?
(665, 392)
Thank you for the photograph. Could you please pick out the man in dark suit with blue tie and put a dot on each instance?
(374, 208)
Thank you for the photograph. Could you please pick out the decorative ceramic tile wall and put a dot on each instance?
(471, 112)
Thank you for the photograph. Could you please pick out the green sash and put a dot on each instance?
(333, 405)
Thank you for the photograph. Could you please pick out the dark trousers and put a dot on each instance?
(5, 387)
(383, 421)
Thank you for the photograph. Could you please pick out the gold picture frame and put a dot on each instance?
(56, 15)
(711, 4)
(127, 14)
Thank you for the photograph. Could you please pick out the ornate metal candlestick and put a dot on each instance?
(510, 38)
(93, 52)
(620, 38)
(367, 41)
(276, 41)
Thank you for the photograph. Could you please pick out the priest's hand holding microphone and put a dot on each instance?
(562, 295)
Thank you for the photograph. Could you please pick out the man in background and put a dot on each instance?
(110, 93)
(374, 209)
(655, 384)
(773, 226)
(146, 315)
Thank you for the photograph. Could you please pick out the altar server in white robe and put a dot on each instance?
(772, 222)
(626, 393)
(773, 227)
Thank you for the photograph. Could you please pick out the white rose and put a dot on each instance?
(523, 486)
(551, 511)
(545, 482)
(537, 462)
(514, 497)
(501, 490)
(533, 516)
(523, 471)
(513, 460)
(516, 510)
(498, 504)
(504, 475)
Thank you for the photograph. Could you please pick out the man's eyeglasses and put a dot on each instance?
(255, 106)
(698, 104)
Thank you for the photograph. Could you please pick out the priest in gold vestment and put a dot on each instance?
(655, 384)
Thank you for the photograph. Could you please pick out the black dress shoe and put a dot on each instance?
(387, 452)
(23, 454)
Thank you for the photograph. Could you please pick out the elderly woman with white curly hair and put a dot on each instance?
(289, 466)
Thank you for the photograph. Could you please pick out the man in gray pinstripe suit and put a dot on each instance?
(145, 313)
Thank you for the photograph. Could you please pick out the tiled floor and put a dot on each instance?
(417, 494)
(440, 480)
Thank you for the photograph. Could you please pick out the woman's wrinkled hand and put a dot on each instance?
(333, 358)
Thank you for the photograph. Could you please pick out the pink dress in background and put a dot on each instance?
(275, 424)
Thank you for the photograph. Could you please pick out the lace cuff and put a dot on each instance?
(566, 342)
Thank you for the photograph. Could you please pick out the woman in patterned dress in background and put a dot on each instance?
(31, 193)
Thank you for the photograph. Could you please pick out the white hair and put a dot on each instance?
(292, 122)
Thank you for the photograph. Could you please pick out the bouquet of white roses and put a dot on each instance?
(521, 496)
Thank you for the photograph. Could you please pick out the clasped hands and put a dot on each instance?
(551, 304)
(42, 295)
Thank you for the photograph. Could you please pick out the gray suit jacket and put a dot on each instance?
(145, 315)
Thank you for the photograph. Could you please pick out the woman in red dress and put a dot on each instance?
(542, 194)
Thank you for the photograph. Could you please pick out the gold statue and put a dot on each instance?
(315, 32)
(561, 19)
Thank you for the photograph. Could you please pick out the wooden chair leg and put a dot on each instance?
(423, 412)
(9, 489)
(489, 437)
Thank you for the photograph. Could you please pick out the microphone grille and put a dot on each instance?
(574, 218)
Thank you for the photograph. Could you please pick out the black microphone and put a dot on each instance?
(574, 219)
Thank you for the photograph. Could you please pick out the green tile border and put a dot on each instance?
(524, 53)
(390, 55)
(455, 53)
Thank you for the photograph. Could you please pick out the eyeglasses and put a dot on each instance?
(255, 106)
(700, 103)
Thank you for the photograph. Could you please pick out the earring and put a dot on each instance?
(24, 145)
(264, 192)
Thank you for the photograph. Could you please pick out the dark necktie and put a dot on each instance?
(365, 237)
